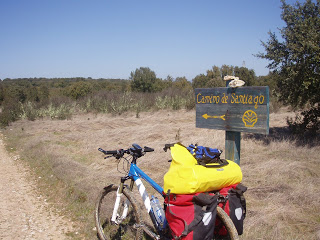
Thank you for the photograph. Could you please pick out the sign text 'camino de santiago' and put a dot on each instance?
(243, 109)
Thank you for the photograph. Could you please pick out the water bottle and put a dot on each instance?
(158, 212)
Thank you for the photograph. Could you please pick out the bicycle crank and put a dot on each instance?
(146, 230)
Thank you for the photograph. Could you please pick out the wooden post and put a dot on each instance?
(232, 146)
(232, 143)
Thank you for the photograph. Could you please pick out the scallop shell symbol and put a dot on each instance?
(249, 118)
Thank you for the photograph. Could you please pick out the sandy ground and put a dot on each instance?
(25, 214)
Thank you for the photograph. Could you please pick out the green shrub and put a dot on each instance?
(63, 107)
(97, 103)
(61, 112)
(306, 123)
(78, 90)
(122, 103)
(162, 102)
(29, 111)
(11, 110)
(178, 102)
(190, 100)
(274, 105)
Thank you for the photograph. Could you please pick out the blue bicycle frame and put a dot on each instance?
(136, 174)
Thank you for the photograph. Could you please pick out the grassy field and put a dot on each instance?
(281, 172)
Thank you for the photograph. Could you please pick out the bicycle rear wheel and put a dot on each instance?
(127, 228)
(225, 229)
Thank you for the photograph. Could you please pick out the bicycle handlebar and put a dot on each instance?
(136, 151)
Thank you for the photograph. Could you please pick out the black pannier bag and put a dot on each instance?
(233, 202)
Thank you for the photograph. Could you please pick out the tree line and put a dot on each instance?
(143, 79)
(32, 97)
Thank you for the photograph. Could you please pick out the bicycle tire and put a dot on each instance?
(103, 212)
(232, 233)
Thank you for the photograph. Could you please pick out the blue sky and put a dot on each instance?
(109, 39)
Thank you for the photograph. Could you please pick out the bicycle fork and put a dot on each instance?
(115, 216)
(146, 200)
(142, 190)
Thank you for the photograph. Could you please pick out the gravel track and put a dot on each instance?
(25, 213)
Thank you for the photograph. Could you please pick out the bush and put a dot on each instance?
(78, 90)
(122, 103)
(306, 122)
(29, 111)
(145, 80)
(61, 112)
(63, 107)
(190, 100)
(97, 103)
(11, 110)
(274, 105)
(175, 99)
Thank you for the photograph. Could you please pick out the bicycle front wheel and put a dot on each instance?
(126, 225)
(224, 229)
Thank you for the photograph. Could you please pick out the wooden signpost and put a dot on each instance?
(235, 110)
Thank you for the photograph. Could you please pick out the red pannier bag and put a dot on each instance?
(232, 201)
(191, 216)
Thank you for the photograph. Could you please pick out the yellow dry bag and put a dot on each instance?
(185, 176)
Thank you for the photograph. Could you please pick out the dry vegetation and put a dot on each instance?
(282, 173)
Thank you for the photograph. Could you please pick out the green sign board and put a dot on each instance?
(242, 109)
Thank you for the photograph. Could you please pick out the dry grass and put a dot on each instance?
(282, 173)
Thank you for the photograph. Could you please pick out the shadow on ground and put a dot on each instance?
(280, 134)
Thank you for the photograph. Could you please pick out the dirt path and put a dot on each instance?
(25, 214)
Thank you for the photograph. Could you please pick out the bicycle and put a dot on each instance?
(117, 214)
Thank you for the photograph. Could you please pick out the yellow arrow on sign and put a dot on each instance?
(206, 116)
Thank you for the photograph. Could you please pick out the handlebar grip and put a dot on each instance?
(148, 149)
(108, 152)
(112, 152)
